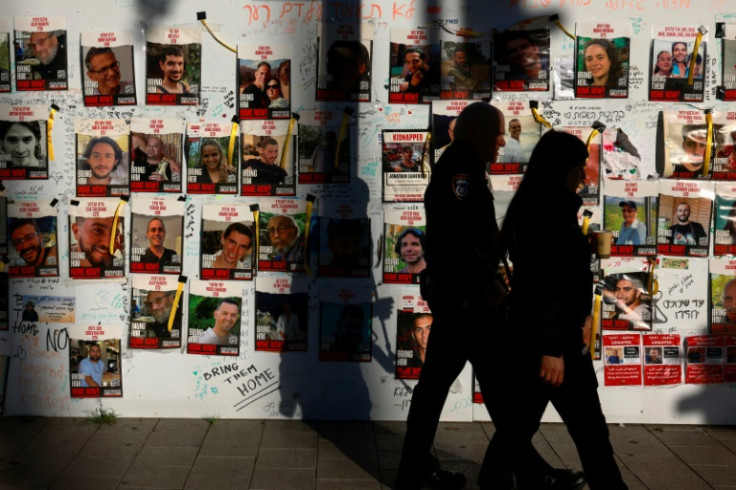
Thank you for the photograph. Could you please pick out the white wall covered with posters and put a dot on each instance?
(296, 384)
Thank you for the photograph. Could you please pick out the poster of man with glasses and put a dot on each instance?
(108, 74)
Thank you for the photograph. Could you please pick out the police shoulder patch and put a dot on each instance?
(461, 185)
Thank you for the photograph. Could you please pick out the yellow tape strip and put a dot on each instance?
(708, 144)
(114, 229)
(594, 324)
(694, 59)
(591, 137)
(175, 306)
(540, 119)
(231, 143)
(425, 155)
(559, 24)
(289, 132)
(49, 139)
(204, 23)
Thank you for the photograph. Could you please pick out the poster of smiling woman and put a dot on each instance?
(602, 60)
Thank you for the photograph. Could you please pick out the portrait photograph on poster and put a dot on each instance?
(23, 143)
(209, 171)
(96, 239)
(157, 230)
(155, 320)
(671, 58)
(156, 155)
(214, 318)
(602, 60)
(43, 64)
(345, 329)
(103, 157)
(414, 69)
(228, 241)
(324, 147)
(173, 65)
(264, 80)
(344, 63)
(33, 235)
(465, 69)
(108, 77)
(521, 56)
(281, 317)
(267, 165)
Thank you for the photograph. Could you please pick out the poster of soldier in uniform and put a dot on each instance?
(465, 69)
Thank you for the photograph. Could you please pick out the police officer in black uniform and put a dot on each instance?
(463, 288)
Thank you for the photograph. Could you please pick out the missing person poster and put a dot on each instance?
(522, 135)
(684, 136)
(521, 55)
(672, 54)
(705, 359)
(684, 217)
(627, 301)
(95, 361)
(282, 229)
(722, 294)
(173, 65)
(103, 157)
(96, 239)
(282, 305)
(724, 231)
(444, 114)
(5, 29)
(465, 69)
(156, 312)
(344, 63)
(504, 187)
(268, 166)
(156, 240)
(23, 139)
(215, 320)
(662, 359)
(156, 155)
(602, 59)
(405, 160)
(33, 233)
(630, 214)
(724, 136)
(622, 359)
(325, 149)
(415, 62)
(212, 158)
(345, 331)
(108, 72)
(413, 326)
(228, 241)
(264, 80)
(727, 34)
(344, 239)
(403, 248)
(42, 65)
(590, 191)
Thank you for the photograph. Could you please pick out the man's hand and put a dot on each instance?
(552, 370)
(587, 329)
